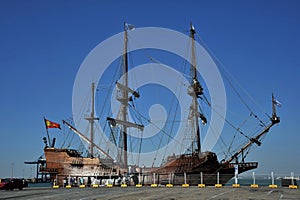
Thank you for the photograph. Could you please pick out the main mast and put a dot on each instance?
(197, 90)
(124, 103)
(123, 97)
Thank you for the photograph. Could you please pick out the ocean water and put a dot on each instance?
(32, 185)
(262, 181)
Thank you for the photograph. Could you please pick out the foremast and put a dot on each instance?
(274, 120)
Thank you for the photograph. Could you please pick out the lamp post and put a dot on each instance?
(12, 170)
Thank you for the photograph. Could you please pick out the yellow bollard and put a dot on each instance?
(273, 186)
(293, 186)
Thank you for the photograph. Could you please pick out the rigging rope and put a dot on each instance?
(149, 121)
(140, 122)
(230, 82)
(140, 149)
(170, 108)
(230, 145)
(229, 123)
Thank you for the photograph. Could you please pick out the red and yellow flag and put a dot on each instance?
(50, 124)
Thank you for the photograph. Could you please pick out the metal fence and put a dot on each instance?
(162, 179)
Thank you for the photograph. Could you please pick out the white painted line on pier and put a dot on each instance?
(91, 197)
(220, 194)
(270, 192)
(99, 196)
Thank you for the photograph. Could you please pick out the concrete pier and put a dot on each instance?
(147, 192)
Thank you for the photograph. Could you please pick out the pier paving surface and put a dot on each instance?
(147, 193)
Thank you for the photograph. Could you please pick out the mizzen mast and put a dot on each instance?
(91, 119)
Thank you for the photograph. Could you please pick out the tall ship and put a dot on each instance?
(115, 155)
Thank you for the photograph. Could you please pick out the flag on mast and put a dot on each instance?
(50, 124)
(129, 27)
(276, 102)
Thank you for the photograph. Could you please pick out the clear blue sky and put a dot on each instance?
(43, 43)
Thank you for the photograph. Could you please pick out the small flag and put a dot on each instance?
(276, 102)
(129, 27)
(50, 124)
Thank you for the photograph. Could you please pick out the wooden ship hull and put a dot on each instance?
(196, 169)
(67, 163)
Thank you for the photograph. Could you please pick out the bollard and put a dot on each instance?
(139, 185)
(218, 185)
(185, 185)
(273, 184)
(201, 185)
(55, 186)
(236, 185)
(169, 185)
(254, 185)
(293, 186)
(154, 184)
